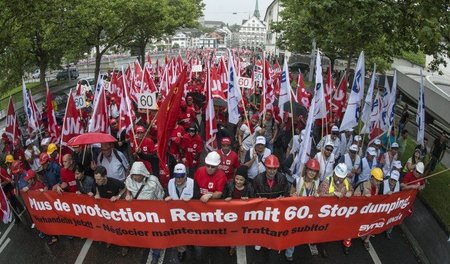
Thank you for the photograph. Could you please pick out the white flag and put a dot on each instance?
(319, 94)
(234, 92)
(351, 116)
(420, 118)
(367, 109)
(386, 96)
(392, 98)
(27, 106)
(285, 89)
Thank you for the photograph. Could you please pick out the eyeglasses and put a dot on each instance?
(210, 166)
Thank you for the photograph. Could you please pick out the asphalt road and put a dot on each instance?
(21, 244)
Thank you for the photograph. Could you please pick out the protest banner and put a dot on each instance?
(276, 224)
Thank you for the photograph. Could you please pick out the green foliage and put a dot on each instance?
(417, 58)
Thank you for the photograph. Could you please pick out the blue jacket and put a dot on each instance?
(52, 174)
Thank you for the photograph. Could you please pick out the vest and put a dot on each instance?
(331, 187)
(258, 165)
(386, 187)
(301, 188)
(366, 170)
(187, 193)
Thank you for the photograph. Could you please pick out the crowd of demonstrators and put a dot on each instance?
(254, 160)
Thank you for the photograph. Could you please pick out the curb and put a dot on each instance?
(414, 244)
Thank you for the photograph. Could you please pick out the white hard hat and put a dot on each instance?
(377, 141)
(213, 158)
(420, 167)
(394, 145)
(334, 129)
(395, 175)
(357, 138)
(341, 170)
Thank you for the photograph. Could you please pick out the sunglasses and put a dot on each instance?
(210, 166)
(329, 149)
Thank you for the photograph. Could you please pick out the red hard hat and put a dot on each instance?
(44, 158)
(16, 166)
(313, 164)
(272, 162)
(140, 129)
(30, 175)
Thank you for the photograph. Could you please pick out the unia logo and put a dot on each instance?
(365, 230)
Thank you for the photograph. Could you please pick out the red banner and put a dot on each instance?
(276, 224)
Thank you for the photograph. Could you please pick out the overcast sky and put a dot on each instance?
(222, 10)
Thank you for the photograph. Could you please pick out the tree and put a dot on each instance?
(153, 19)
(342, 28)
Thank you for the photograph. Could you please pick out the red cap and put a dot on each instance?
(189, 98)
(16, 166)
(140, 129)
(30, 175)
(255, 117)
(225, 141)
(43, 158)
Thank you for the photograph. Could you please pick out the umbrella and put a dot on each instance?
(296, 107)
(219, 101)
(91, 138)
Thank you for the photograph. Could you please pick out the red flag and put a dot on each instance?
(148, 85)
(339, 100)
(268, 93)
(99, 121)
(72, 125)
(167, 117)
(215, 85)
(210, 117)
(5, 210)
(12, 127)
(52, 126)
(126, 114)
(303, 97)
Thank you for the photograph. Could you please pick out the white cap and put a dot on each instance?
(357, 138)
(260, 140)
(179, 171)
(28, 142)
(45, 141)
(329, 143)
(420, 167)
(397, 164)
(302, 134)
(377, 141)
(334, 129)
(350, 130)
(372, 151)
(353, 147)
(213, 158)
(394, 145)
(395, 175)
(341, 170)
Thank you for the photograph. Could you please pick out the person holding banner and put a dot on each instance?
(140, 185)
(210, 179)
(326, 160)
(306, 185)
(390, 186)
(338, 185)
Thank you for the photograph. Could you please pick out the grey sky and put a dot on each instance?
(222, 10)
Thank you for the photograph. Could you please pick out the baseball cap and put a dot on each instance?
(329, 143)
(371, 151)
(353, 147)
(397, 164)
(377, 141)
(46, 141)
(260, 140)
(394, 145)
(334, 129)
(395, 175)
(28, 142)
(225, 141)
(179, 171)
(358, 138)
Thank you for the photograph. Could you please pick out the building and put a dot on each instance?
(253, 31)
(271, 16)
(181, 40)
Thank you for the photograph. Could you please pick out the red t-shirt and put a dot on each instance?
(229, 163)
(68, 176)
(192, 147)
(175, 141)
(409, 177)
(210, 183)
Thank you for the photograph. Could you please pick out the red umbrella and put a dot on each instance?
(91, 138)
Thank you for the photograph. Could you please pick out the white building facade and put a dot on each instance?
(252, 33)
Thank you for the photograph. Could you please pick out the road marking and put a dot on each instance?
(6, 232)
(4, 245)
(241, 255)
(374, 254)
(84, 251)
(150, 257)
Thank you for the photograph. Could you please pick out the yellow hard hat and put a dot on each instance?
(9, 158)
(377, 173)
(51, 148)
